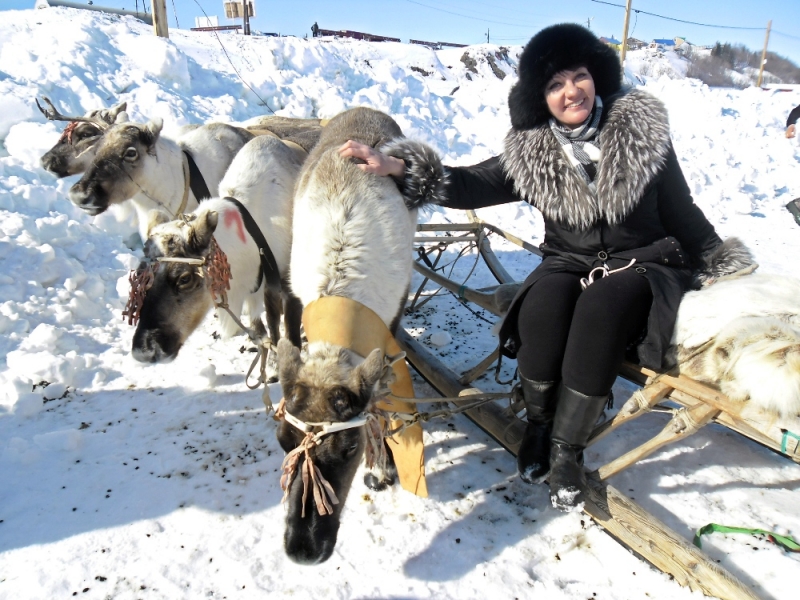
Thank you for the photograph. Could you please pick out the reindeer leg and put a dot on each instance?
(273, 307)
(292, 318)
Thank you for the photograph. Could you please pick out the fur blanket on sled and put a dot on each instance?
(744, 336)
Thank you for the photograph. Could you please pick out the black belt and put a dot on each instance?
(196, 181)
(269, 266)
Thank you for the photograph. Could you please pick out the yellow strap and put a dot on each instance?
(352, 325)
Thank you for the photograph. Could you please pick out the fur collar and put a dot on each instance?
(634, 143)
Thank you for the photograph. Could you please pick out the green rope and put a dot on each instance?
(784, 541)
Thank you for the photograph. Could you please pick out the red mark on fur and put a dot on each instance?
(233, 217)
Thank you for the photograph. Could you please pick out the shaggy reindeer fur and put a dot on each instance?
(357, 232)
(353, 237)
(70, 157)
(262, 178)
(744, 334)
(134, 161)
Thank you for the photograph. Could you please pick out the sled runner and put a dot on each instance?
(691, 403)
(794, 208)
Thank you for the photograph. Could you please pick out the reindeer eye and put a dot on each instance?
(131, 154)
(351, 450)
(184, 279)
(86, 133)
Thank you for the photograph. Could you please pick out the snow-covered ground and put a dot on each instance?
(121, 480)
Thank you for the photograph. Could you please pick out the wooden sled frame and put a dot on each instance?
(696, 404)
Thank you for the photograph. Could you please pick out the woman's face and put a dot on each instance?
(570, 96)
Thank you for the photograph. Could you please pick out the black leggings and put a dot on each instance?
(579, 336)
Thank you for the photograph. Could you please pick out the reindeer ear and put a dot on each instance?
(366, 375)
(152, 130)
(156, 217)
(118, 114)
(203, 228)
(289, 364)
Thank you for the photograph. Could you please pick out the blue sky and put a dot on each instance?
(509, 21)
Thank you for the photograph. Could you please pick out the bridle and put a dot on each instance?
(324, 495)
(215, 270)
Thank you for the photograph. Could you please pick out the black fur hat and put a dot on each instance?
(554, 49)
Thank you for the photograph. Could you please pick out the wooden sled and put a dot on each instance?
(693, 405)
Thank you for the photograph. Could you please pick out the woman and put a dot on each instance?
(622, 235)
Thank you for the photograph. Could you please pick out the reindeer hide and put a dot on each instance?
(744, 335)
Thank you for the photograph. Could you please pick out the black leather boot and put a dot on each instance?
(575, 418)
(533, 458)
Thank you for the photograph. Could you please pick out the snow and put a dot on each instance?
(128, 481)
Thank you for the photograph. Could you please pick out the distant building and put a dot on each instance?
(212, 21)
(614, 43)
(356, 35)
(664, 44)
(634, 44)
(436, 45)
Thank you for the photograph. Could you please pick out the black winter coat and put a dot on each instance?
(643, 209)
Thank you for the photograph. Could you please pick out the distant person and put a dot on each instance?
(791, 122)
(315, 30)
(622, 237)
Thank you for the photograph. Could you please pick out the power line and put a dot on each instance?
(794, 37)
(450, 12)
(682, 20)
(264, 102)
(174, 10)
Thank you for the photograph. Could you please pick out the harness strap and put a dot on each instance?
(269, 266)
(196, 181)
(187, 179)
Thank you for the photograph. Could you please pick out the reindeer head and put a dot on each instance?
(119, 169)
(325, 387)
(179, 298)
(75, 148)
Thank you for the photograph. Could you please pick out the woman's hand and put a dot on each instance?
(790, 131)
(374, 161)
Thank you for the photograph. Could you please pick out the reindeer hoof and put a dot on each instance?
(375, 484)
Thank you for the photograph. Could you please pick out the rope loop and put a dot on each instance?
(603, 271)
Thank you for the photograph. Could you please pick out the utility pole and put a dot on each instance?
(160, 18)
(764, 55)
(624, 46)
(589, 23)
(487, 35)
(246, 17)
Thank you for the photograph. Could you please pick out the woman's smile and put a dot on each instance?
(570, 96)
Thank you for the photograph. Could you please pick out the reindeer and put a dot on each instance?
(249, 224)
(353, 238)
(135, 162)
(75, 148)
(304, 132)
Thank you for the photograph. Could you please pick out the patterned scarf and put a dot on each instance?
(580, 143)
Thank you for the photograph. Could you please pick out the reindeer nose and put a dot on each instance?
(88, 198)
(54, 164)
(148, 347)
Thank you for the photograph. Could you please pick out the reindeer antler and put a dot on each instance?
(53, 114)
